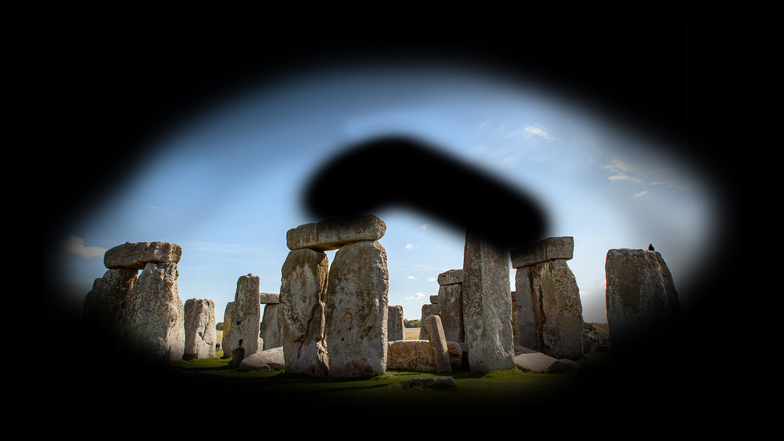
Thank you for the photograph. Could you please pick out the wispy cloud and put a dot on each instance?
(424, 227)
(623, 170)
(641, 194)
(75, 245)
(411, 278)
(411, 246)
(416, 296)
(431, 279)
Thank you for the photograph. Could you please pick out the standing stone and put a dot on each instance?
(642, 304)
(103, 309)
(487, 307)
(245, 340)
(200, 333)
(153, 321)
(229, 317)
(428, 309)
(450, 309)
(331, 234)
(395, 323)
(271, 331)
(515, 324)
(356, 311)
(438, 344)
(303, 286)
(529, 309)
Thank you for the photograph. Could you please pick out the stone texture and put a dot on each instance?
(450, 309)
(200, 333)
(438, 344)
(515, 324)
(487, 307)
(549, 310)
(245, 340)
(548, 249)
(434, 299)
(271, 328)
(103, 309)
(153, 320)
(331, 234)
(395, 325)
(450, 277)
(642, 304)
(537, 362)
(136, 255)
(229, 317)
(428, 309)
(356, 311)
(303, 287)
(417, 355)
(268, 298)
(266, 359)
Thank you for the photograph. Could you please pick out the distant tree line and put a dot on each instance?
(411, 323)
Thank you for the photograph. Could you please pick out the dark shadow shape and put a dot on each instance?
(397, 171)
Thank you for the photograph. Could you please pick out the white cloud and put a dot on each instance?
(424, 227)
(75, 245)
(411, 278)
(416, 296)
(641, 194)
(539, 132)
(431, 279)
(411, 246)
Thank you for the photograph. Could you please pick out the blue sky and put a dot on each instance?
(225, 185)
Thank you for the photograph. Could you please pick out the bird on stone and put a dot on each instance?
(650, 247)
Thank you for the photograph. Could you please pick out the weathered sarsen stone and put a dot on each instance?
(153, 320)
(103, 308)
(271, 327)
(438, 344)
(396, 327)
(415, 354)
(200, 332)
(545, 250)
(642, 303)
(428, 309)
(245, 340)
(229, 317)
(331, 234)
(137, 254)
(487, 307)
(301, 312)
(356, 311)
(450, 309)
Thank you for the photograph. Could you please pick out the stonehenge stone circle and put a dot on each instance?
(438, 344)
(331, 234)
(356, 310)
(642, 302)
(418, 355)
(428, 309)
(487, 306)
(137, 255)
(200, 332)
(229, 317)
(303, 287)
(245, 329)
(153, 319)
(271, 328)
(395, 323)
(549, 311)
(103, 308)
(450, 304)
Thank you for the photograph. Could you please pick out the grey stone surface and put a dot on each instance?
(417, 355)
(356, 311)
(438, 344)
(450, 309)
(200, 333)
(303, 286)
(548, 249)
(229, 317)
(136, 255)
(428, 309)
(642, 303)
(269, 298)
(395, 325)
(153, 320)
(331, 234)
(271, 329)
(103, 307)
(264, 360)
(245, 340)
(487, 306)
(450, 277)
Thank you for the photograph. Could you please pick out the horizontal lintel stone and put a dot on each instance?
(137, 254)
(269, 298)
(451, 277)
(548, 249)
(331, 234)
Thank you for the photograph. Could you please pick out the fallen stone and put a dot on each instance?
(200, 333)
(487, 307)
(409, 354)
(331, 234)
(268, 298)
(542, 251)
(356, 311)
(537, 362)
(267, 359)
(153, 319)
(450, 277)
(303, 286)
(136, 255)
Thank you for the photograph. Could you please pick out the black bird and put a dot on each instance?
(650, 247)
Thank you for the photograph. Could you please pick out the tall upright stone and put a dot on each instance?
(396, 327)
(487, 307)
(301, 312)
(548, 299)
(428, 309)
(356, 310)
(642, 303)
(438, 344)
(200, 332)
(450, 304)
(153, 319)
(103, 309)
(229, 317)
(245, 330)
